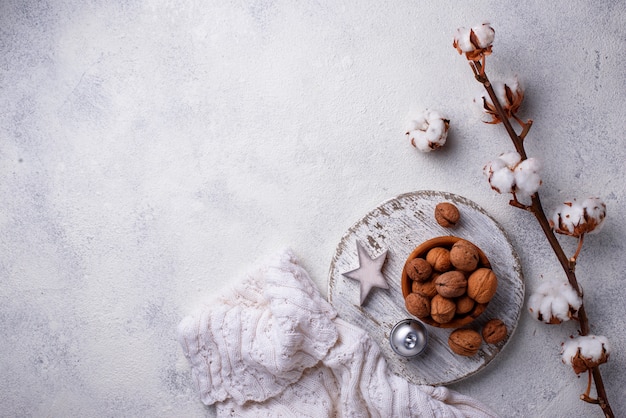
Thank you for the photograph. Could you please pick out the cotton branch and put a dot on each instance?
(535, 207)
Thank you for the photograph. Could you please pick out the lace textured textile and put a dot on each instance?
(273, 346)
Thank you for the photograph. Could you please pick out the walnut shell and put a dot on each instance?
(464, 255)
(451, 284)
(442, 309)
(482, 285)
(464, 304)
(427, 289)
(418, 269)
(418, 305)
(439, 258)
(465, 342)
(446, 214)
(494, 331)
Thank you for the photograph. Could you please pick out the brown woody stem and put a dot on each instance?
(581, 238)
(518, 204)
(526, 128)
(536, 208)
(585, 396)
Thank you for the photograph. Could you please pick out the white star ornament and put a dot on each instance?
(369, 272)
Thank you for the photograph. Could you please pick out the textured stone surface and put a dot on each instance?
(150, 150)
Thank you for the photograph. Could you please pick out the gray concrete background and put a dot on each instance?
(151, 151)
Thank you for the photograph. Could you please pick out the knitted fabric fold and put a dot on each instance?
(253, 341)
(273, 347)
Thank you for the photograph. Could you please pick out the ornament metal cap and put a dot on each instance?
(408, 338)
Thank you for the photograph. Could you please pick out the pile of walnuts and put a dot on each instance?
(449, 284)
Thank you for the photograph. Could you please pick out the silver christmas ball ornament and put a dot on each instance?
(408, 338)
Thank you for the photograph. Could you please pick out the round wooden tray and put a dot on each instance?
(400, 225)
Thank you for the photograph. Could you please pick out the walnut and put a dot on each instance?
(464, 342)
(418, 305)
(418, 269)
(494, 331)
(464, 305)
(482, 285)
(464, 255)
(427, 289)
(442, 309)
(439, 258)
(446, 214)
(451, 284)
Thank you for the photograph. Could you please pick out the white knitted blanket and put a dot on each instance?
(273, 347)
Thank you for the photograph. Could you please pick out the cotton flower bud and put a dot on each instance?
(476, 42)
(509, 174)
(554, 301)
(427, 130)
(578, 218)
(585, 352)
(510, 96)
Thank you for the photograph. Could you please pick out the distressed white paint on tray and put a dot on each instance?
(401, 224)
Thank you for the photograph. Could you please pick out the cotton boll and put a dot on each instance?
(567, 218)
(476, 42)
(585, 352)
(509, 174)
(554, 302)
(575, 218)
(427, 130)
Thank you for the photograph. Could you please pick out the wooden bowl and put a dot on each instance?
(420, 252)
